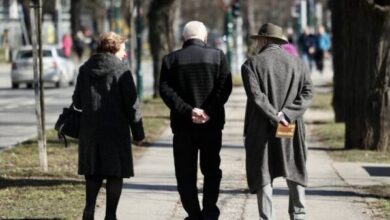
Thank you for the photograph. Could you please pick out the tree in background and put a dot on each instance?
(26, 12)
(161, 35)
(362, 71)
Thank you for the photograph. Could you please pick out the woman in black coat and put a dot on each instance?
(106, 95)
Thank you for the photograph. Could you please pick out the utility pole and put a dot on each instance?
(36, 29)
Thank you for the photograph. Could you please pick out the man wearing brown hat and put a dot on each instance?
(279, 90)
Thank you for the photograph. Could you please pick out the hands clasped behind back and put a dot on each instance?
(282, 119)
(199, 116)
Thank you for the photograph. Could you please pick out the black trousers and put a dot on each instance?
(185, 148)
(319, 59)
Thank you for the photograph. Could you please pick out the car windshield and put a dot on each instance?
(24, 54)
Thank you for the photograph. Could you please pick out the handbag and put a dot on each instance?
(68, 123)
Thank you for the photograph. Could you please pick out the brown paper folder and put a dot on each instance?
(285, 131)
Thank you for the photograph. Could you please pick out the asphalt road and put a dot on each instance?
(17, 106)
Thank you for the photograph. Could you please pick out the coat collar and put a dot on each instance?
(269, 47)
(194, 41)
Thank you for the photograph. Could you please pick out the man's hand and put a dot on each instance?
(199, 116)
(282, 119)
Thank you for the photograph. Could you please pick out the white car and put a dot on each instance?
(57, 68)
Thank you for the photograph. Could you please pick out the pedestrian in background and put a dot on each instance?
(290, 47)
(307, 45)
(322, 47)
(279, 90)
(105, 93)
(5, 44)
(195, 84)
(67, 44)
(79, 45)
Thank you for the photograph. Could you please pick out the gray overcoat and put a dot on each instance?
(275, 81)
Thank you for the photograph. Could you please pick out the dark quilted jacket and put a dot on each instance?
(195, 76)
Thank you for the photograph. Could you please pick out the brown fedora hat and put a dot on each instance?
(270, 30)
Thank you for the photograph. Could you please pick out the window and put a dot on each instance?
(4, 8)
(25, 54)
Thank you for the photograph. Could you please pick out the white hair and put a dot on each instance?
(195, 29)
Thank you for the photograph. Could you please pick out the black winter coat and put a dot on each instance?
(106, 94)
(195, 76)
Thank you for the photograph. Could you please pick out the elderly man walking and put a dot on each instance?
(195, 84)
(279, 90)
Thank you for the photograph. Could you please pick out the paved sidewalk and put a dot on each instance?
(152, 194)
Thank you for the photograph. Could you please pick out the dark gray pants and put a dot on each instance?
(296, 206)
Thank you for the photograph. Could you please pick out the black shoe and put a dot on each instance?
(209, 218)
(192, 218)
(88, 215)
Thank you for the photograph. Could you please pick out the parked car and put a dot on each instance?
(57, 68)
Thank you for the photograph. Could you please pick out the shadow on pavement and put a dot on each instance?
(276, 191)
(169, 145)
(6, 183)
(326, 149)
(377, 170)
(331, 193)
(173, 188)
(317, 122)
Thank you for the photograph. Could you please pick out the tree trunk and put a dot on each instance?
(378, 122)
(75, 15)
(27, 18)
(161, 37)
(339, 45)
(365, 85)
(248, 16)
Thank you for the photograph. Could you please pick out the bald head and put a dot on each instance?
(195, 30)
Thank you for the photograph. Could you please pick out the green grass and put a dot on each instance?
(23, 160)
(237, 80)
(322, 101)
(26, 192)
(2, 55)
(385, 206)
(331, 134)
(64, 201)
(156, 118)
(382, 192)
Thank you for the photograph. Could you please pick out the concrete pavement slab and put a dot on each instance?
(363, 174)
